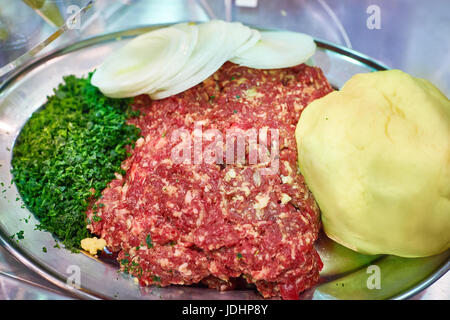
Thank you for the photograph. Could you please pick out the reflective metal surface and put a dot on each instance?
(19, 282)
(27, 91)
(17, 63)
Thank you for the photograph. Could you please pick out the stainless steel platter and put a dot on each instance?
(26, 91)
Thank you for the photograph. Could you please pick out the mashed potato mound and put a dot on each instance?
(376, 156)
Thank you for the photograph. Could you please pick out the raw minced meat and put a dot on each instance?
(217, 222)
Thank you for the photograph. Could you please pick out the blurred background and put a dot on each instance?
(412, 35)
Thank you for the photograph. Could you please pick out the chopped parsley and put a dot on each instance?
(26, 219)
(149, 241)
(96, 218)
(19, 235)
(239, 255)
(68, 152)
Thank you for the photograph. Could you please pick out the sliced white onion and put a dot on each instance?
(211, 36)
(167, 61)
(178, 62)
(141, 62)
(254, 38)
(236, 34)
(277, 49)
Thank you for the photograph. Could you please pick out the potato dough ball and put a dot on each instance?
(376, 156)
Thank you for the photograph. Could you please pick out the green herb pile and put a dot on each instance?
(68, 152)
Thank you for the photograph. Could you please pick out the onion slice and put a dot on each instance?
(254, 38)
(167, 61)
(277, 49)
(143, 61)
(211, 35)
(235, 35)
(178, 62)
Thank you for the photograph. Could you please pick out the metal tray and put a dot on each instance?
(26, 91)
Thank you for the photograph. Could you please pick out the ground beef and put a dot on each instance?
(217, 223)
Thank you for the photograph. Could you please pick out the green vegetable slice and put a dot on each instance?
(396, 275)
(338, 259)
